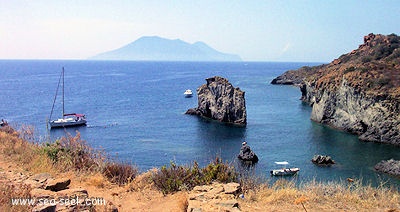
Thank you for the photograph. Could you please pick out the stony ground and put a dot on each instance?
(215, 197)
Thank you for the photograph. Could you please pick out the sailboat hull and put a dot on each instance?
(68, 122)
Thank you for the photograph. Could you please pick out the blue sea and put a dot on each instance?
(135, 113)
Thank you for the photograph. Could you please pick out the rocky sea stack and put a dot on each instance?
(219, 100)
(359, 92)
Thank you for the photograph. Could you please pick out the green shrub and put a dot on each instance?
(380, 82)
(349, 69)
(73, 153)
(366, 59)
(219, 171)
(52, 150)
(395, 54)
(175, 178)
(345, 58)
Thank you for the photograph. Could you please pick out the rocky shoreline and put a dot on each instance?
(358, 92)
(391, 167)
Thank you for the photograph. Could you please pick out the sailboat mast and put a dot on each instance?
(55, 96)
(63, 112)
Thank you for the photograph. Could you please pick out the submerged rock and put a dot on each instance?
(219, 100)
(322, 160)
(391, 167)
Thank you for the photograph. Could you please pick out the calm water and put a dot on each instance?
(135, 112)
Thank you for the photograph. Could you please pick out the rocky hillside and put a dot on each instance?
(219, 100)
(357, 92)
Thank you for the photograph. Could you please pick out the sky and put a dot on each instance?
(257, 30)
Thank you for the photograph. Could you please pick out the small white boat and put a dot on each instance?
(188, 93)
(284, 171)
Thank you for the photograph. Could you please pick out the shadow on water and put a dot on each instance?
(218, 139)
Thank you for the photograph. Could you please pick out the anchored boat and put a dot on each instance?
(284, 171)
(69, 119)
(188, 93)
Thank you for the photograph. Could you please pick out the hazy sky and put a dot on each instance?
(297, 30)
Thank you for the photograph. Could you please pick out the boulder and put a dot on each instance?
(219, 100)
(42, 177)
(322, 160)
(214, 197)
(41, 193)
(246, 154)
(231, 188)
(57, 184)
(391, 167)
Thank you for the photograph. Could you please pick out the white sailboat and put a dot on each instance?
(67, 119)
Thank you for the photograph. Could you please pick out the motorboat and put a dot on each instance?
(284, 171)
(188, 93)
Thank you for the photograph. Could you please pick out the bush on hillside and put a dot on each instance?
(175, 178)
(73, 153)
(120, 173)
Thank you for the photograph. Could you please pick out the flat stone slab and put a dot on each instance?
(57, 184)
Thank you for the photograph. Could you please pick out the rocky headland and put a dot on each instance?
(219, 100)
(357, 92)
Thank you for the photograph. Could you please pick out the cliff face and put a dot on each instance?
(359, 92)
(219, 100)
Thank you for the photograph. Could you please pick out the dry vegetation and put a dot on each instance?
(315, 196)
(72, 154)
(373, 68)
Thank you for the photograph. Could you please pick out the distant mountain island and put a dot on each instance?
(154, 48)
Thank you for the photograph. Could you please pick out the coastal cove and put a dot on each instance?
(135, 112)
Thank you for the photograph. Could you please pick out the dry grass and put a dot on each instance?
(8, 191)
(97, 180)
(317, 196)
(14, 147)
(69, 153)
(143, 181)
(182, 202)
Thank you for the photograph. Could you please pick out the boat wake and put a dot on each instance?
(102, 126)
